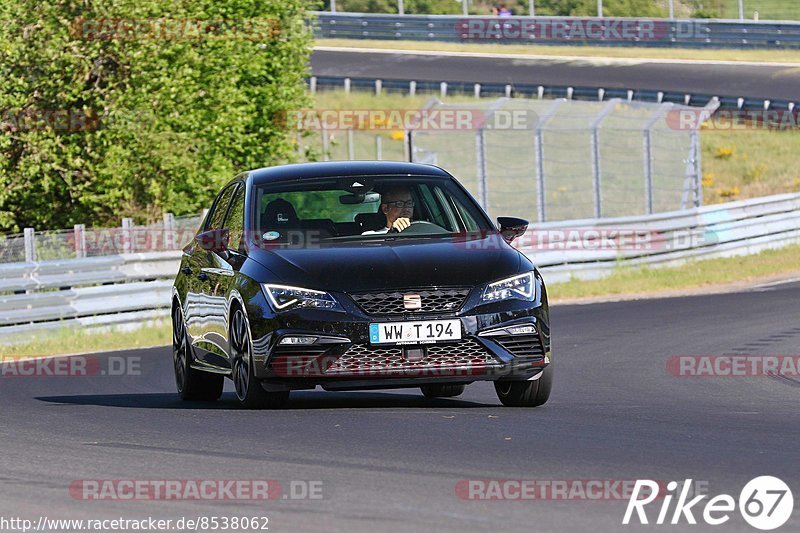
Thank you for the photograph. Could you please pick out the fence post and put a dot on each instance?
(465, 7)
(170, 242)
(325, 155)
(698, 178)
(672, 9)
(531, 8)
(408, 146)
(600, 8)
(127, 227)
(333, 6)
(79, 234)
(480, 151)
(596, 169)
(351, 149)
(648, 156)
(30, 245)
(378, 147)
(741, 10)
(400, 9)
(539, 147)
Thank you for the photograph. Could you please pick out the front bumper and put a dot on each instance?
(343, 358)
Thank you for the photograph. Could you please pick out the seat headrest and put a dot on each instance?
(279, 213)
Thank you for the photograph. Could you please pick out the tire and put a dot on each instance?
(249, 392)
(526, 393)
(442, 390)
(192, 384)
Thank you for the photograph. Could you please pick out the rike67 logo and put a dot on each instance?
(765, 503)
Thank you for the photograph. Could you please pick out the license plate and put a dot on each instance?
(417, 332)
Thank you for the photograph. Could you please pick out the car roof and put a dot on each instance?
(337, 169)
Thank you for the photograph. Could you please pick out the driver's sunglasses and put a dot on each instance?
(401, 204)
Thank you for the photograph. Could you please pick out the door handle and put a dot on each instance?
(202, 276)
(186, 270)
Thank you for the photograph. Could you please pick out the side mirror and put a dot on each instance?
(214, 240)
(512, 227)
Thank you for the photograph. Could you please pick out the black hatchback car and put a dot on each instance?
(357, 275)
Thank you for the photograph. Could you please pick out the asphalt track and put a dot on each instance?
(738, 80)
(390, 461)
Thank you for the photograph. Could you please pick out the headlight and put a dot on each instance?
(521, 287)
(283, 298)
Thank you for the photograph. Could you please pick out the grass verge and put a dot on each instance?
(600, 52)
(77, 340)
(741, 271)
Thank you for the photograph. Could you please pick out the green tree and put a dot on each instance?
(176, 105)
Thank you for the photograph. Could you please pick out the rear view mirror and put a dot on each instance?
(215, 240)
(359, 198)
(512, 227)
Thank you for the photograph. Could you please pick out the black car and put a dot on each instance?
(357, 275)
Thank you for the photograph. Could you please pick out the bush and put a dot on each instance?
(158, 124)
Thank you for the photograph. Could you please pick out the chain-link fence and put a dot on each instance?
(171, 233)
(545, 159)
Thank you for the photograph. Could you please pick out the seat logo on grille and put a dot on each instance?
(412, 301)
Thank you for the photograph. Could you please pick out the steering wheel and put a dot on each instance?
(422, 227)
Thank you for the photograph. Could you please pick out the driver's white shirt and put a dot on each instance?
(376, 232)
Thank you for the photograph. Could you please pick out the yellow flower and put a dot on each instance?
(708, 179)
(398, 135)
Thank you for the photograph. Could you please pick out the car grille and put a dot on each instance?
(391, 303)
(361, 358)
(522, 346)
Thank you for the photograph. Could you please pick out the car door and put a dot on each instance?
(202, 314)
(221, 272)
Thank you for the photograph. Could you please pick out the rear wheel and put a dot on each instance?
(526, 393)
(249, 391)
(192, 384)
(442, 390)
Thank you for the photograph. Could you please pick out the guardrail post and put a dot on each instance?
(347, 85)
(378, 87)
(741, 10)
(312, 85)
(127, 243)
(443, 89)
(531, 8)
(30, 245)
(400, 9)
(412, 88)
(79, 234)
(333, 6)
(600, 8)
(351, 148)
(379, 148)
(465, 7)
(480, 151)
(170, 242)
(477, 90)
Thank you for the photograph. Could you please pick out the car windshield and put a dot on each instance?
(364, 208)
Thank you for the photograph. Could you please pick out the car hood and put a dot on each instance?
(391, 264)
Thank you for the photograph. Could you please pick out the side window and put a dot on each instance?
(220, 208)
(235, 220)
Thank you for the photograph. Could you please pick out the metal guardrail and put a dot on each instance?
(569, 92)
(683, 33)
(131, 289)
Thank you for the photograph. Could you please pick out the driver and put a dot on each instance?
(398, 207)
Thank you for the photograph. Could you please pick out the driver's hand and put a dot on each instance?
(401, 223)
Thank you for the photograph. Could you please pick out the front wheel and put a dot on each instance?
(249, 391)
(526, 393)
(192, 384)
